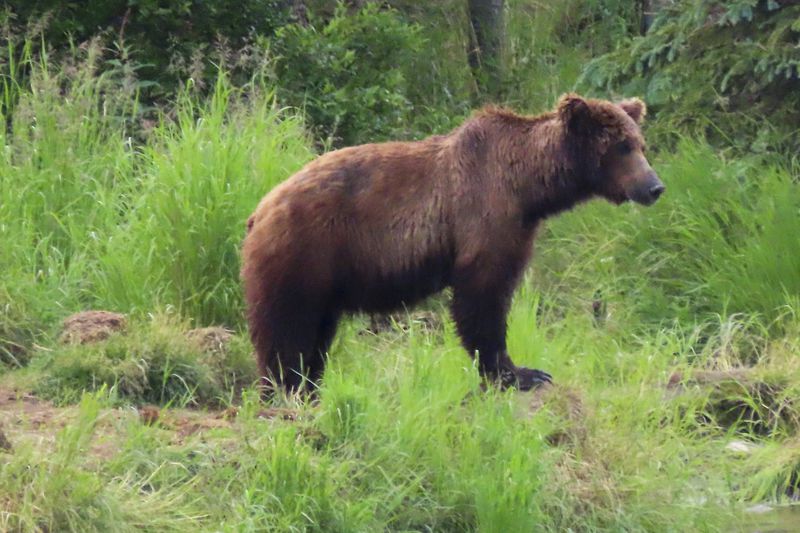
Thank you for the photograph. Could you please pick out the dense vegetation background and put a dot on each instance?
(139, 135)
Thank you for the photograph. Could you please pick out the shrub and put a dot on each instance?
(550, 42)
(169, 39)
(351, 73)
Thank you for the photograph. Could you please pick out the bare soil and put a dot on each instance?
(28, 420)
(91, 326)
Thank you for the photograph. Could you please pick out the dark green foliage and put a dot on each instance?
(715, 68)
(351, 73)
(164, 36)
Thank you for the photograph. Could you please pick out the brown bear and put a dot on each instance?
(374, 227)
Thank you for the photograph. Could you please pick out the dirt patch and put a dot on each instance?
(280, 413)
(25, 418)
(17, 406)
(186, 423)
(567, 410)
(149, 414)
(28, 420)
(212, 340)
(709, 377)
(91, 326)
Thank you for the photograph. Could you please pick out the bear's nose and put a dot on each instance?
(656, 190)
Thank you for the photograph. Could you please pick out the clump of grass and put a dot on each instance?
(746, 384)
(152, 362)
(15, 339)
(774, 472)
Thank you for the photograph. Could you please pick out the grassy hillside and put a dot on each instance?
(671, 332)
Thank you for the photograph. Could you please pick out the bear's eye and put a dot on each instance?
(623, 148)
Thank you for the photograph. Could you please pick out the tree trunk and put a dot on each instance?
(650, 9)
(487, 41)
(299, 11)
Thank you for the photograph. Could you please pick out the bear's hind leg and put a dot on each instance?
(292, 355)
(285, 333)
(325, 334)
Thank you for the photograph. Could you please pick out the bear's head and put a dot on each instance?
(608, 143)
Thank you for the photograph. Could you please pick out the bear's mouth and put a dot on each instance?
(618, 197)
(641, 199)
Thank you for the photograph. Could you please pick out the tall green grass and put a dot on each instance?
(724, 240)
(64, 158)
(92, 217)
(199, 178)
(403, 438)
(548, 44)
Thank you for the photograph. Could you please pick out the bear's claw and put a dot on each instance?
(528, 378)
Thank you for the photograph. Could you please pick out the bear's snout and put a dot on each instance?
(656, 190)
(647, 190)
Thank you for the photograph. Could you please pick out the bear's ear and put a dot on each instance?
(635, 108)
(575, 113)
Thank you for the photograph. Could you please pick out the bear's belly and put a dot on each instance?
(372, 292)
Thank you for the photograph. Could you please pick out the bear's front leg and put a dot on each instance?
(479, 311)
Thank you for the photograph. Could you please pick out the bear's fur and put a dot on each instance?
(378, 226)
